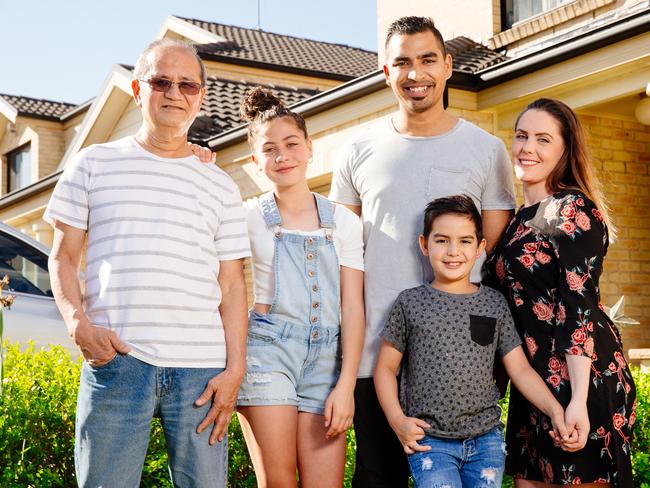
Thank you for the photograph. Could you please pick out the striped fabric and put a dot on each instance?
(157, 230)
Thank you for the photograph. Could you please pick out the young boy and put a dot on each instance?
(448, 332)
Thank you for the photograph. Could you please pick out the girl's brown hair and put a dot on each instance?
(574, 170)
(260, 105)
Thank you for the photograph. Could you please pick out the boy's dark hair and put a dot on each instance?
(414, 25)
(457, 204)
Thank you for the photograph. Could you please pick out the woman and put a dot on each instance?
(297, 398)
(548, 264)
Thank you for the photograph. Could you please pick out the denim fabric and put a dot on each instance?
(293, 352)
(476, 462)
(115, 406)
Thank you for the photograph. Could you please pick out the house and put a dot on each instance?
(592, 54)
(33, 136)
(38, 137)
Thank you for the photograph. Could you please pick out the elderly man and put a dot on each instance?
(162, 324)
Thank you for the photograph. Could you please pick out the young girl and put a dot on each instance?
(296, 400)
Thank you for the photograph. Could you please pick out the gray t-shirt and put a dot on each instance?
(449, 343)
(393, 177)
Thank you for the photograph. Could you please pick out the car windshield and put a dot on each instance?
(26, 267)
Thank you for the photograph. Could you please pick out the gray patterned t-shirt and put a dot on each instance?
(449, 342)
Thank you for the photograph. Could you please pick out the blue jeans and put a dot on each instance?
(115, 406)
(477, 462)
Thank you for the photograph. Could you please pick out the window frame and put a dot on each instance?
(504, 13)
(10, 158)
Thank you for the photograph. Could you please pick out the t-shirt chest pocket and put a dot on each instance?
(443, 182)
(482, 329)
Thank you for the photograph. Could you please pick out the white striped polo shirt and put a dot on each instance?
(157, 230)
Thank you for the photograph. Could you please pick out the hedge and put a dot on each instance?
(37, 427)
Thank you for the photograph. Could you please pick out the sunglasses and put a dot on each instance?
(164, 85)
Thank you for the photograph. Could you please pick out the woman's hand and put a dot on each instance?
(576, 419)
(339, 410)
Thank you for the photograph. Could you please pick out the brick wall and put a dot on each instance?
(621, 152)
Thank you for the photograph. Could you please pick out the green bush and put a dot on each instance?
(37, 418)
(641, 439)
(37, 410)
(37, 427)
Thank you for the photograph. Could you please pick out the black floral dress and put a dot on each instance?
(548, 263)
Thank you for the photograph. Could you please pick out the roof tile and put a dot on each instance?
(470, 57)
(220, 109)
(287, 51)
(36, 107)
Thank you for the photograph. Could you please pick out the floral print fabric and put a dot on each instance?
(548, 264)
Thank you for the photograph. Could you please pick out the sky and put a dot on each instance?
(63, 50)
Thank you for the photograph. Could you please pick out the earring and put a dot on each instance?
(310, 160)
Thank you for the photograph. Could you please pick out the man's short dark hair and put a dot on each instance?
(457, 204)
(414, 25)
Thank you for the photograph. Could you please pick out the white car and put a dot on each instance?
(33, 315)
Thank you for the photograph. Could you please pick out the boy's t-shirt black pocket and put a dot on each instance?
(482, 329)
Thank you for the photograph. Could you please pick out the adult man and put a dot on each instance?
(164, 309)
(387, 176)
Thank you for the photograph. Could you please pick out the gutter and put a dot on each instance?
(590, 41)
(27, 191)
(31, 115)
(82, 107)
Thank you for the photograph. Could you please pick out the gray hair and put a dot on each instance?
(143, 64)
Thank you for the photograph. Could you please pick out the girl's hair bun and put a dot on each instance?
(257, 101)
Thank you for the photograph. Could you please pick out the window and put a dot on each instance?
(26, 267)
(19, 168)
(513, 11)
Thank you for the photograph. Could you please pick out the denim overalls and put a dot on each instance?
(293, 355)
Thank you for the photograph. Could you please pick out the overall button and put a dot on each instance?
(315, 304)
(311, 273)
(314, 319)
(310, 256)
(314, 288)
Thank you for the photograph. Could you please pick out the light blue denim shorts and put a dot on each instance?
(289, 363)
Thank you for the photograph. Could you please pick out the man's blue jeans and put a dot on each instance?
(477, 462)
(115, 406)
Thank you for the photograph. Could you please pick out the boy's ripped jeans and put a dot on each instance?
(456, 463)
